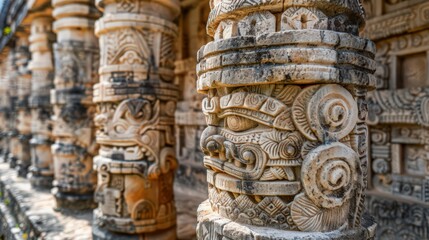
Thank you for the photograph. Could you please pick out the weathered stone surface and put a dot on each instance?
(12, 133)
(22, 59)
(398, 219)
(136, 98)
(6, 104)
(42, 67)
(260, 47)
(76, 66)
(213, 226)
(398, 118)
(26, 213)
(190, 121)
(286, 142)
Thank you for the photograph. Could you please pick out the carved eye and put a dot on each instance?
(119, 128)
(238, 124)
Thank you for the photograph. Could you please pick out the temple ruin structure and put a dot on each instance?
(398, 195)
(214, 119)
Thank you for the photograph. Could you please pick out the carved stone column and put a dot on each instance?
(136, 100)
(286, 145)
(4, 103)
(76, 65)
(22, 59)
(12, 133)
(42, 67)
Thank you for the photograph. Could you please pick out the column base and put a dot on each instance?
(22, 169)
(4, 156)
(100, 233)
(40, 181)
(213, 226)
(13, 161)
(73, 201)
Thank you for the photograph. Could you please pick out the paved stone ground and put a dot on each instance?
(187, 202)
(34, 211)
(28, 213)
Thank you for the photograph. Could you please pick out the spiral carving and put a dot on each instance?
(239, 124)
(331, 110)
(330, 173)
(335, 111)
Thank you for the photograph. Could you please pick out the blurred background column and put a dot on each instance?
(42, 67)
(12, 133)
(22, 59)
(76, 65)
(4, 103)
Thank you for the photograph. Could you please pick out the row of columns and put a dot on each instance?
(77, 104)
(94, 109)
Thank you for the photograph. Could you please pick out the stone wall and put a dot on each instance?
(398, 196)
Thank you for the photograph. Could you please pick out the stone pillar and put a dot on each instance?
(12, 133)
(42, 68)
(4, 103)
(286, 143)
(76, 65)
(136, 100)
(22, 59)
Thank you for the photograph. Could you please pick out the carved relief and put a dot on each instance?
(76, 64)
(398, 121)
(402, 18)
(414, 219)
(22, 59)
(6, 103)
(285, 147)
(136, 102)
(41, 65)
(12, 134)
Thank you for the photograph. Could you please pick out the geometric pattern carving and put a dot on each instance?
(284, 113)
(136, 102)
(76, 65)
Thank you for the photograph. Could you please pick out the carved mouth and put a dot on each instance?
(247, 164)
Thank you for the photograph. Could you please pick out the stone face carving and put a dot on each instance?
(42, 67)
(286, 142)
(76, 64)
(22, 59)
(136, 99)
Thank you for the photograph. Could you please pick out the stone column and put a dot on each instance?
(4, 103)
(136, 100)
(22, 59)
(42, 68)
(12, 133)
(286, 143)
(76, 65)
